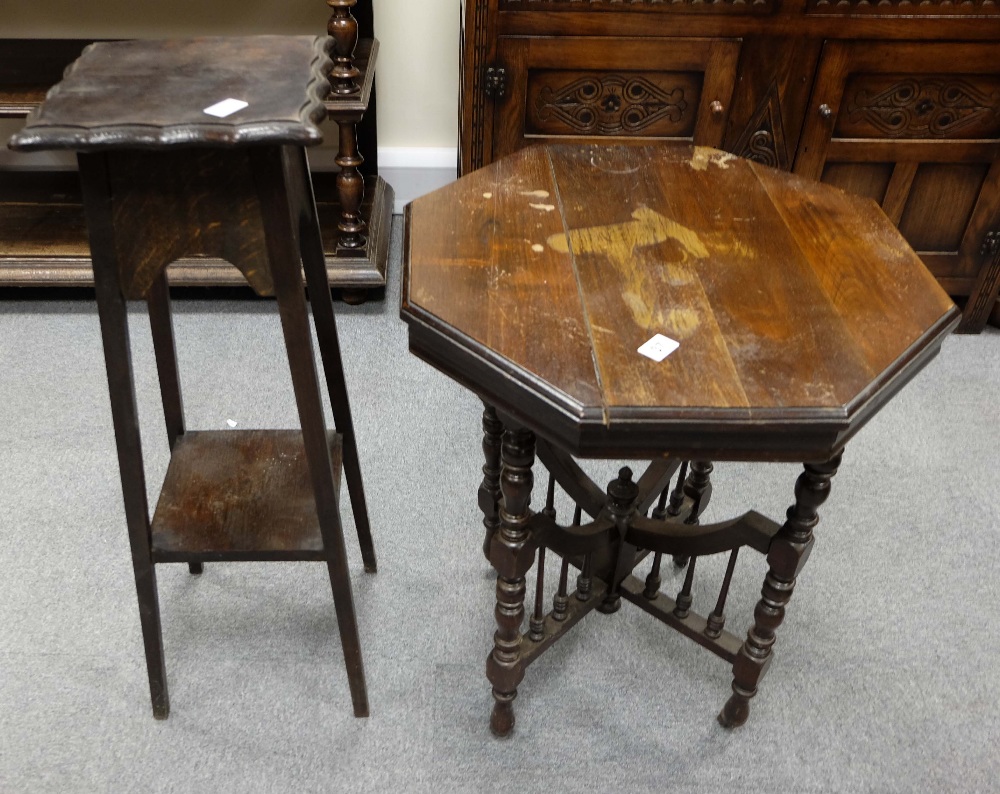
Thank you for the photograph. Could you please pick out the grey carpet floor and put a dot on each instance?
(886, 676)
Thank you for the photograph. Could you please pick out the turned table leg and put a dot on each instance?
(512, 552)
(489, 489)
(786, 557)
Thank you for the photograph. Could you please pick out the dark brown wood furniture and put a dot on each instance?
(799, 310)
(43, 238)
(896, 101)
(163, 180)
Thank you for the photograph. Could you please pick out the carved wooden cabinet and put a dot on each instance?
(898, 101)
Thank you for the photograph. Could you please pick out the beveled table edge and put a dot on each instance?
(769, 434)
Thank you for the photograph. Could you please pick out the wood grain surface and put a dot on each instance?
(154, 93)
(791, 301)
(239, 495)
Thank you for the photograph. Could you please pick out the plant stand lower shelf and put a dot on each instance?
(240, 495)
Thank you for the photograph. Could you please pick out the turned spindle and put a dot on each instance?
(652, 589)
(343, 29)
(717, 620)
(489, 489)
(683, 600)
(560, 601)
(677, 497)
(536, 625)
(698, 486)
(622, 493)
(536, 630)
(350, 188)
(584, 582)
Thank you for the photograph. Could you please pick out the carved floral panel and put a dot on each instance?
(646, 104)
(909, 8)
(919, 106)
(671, 6)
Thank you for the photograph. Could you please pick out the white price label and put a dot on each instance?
(659, 347)
(226, 107)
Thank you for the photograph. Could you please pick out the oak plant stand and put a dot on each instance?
(43, 236)
(162, 180)
(799, 312)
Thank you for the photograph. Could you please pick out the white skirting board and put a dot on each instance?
(35, 161)
(411, 170)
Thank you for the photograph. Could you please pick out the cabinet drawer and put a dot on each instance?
(601, 88)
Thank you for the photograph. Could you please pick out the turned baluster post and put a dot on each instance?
(537, 623)
(584, 582)
(682, 606)
(489, 489)
(677, 497)
(512, 553)
(698, 486)
(622, 493)
(652, 589)
(786, 557)
(343, 29)
(350, 189)
(717, 620)
(560, 601)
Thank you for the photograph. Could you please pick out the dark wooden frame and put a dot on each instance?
(282, 180)
(233, 188)
(780, 96)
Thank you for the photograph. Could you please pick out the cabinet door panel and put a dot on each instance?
(917, 128)
(940, 204)
(870, 180)
(596, 89)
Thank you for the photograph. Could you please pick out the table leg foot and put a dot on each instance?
(611, 604)
(737, 708)
(502, 718)
(354, 296)
(196, 568)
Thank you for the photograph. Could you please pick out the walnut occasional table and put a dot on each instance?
(197, 147)
(799, 312)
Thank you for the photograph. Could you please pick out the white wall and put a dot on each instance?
(417, 77)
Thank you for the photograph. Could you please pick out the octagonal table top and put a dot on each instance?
(799, 309)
